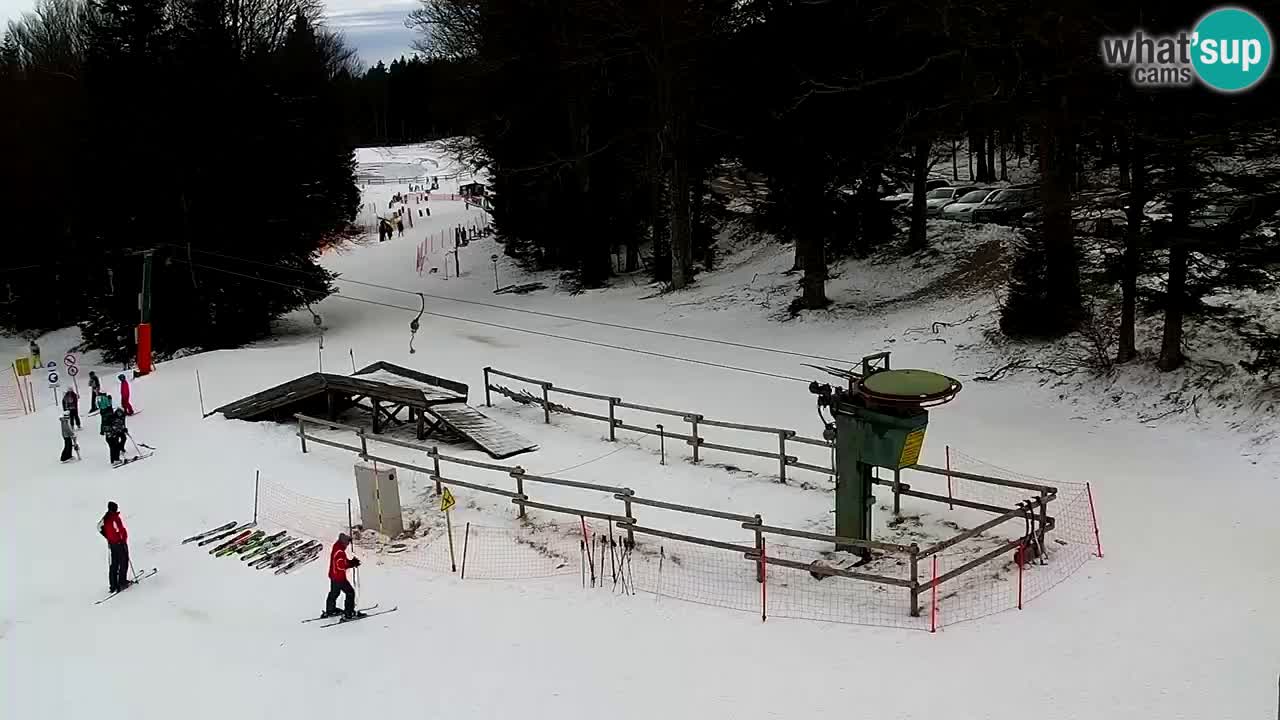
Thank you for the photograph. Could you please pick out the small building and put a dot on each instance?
(472, 190)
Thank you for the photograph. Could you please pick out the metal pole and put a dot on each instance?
(449, 526)
(256, 474)
(435, 459)
(897, 492)
(613, 401)
(546, 404)
(302, 433)
(351, 534)
(364, 445)
(488, 402)
(662, 446)
(353, 360)
(200, 391)
(466, 536)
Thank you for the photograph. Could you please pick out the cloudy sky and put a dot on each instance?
(374, 27)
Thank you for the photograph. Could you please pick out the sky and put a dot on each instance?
(375, 29)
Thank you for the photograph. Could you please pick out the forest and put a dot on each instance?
(609, 125)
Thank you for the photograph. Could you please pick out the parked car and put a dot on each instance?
(936, 199)
(962, 208)
(1006, 207)
(935, 183)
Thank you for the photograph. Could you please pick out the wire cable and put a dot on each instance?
(512, 328)
(495, 306)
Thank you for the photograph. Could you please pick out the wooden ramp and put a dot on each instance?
(474, 425)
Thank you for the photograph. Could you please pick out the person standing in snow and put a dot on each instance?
(116, 432)
(112, 528)
(104, 412)
(124, 395)
(95, 389)
(399, 227)
(68, 438)
(338, 582)
(35, 355)
(71, 404)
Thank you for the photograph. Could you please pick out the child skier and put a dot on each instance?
(104, 412)
(116, 433)
(124, 395)
(112, 528)
(338, 583)
(71, 404)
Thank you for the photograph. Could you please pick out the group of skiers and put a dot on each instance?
(112, 427)
(112, 528)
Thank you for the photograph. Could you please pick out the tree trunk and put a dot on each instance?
(978, 147)
(918, 239)
(971, 177)
(633, 256)
(813, 284)
(1171, 357)
(1004, 169)
(1131, 156)
(955, 168)
(681, 228)
(1123, 161)
(1062, 272)
(991, 156)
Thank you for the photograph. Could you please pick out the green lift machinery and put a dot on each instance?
(878, 421)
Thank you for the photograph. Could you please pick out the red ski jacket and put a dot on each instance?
(113, 528)
(338, 563)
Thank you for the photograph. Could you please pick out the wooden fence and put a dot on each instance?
(515, 487)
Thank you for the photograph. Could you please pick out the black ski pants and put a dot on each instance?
(340, 586)
(116, 444)
(119, 573)
(66, 449)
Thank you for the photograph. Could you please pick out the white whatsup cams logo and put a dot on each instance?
(1228, 50)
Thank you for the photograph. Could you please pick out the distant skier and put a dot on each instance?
(68, 437)
(112, 528)
(95, 389)
(71, 404)
(124, 395)
(35, 355)
(338, 583)
(116, 432)
(400, 227)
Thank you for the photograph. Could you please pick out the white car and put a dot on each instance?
(962, 208)
(935, 200)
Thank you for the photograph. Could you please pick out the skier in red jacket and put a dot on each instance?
(338, 583)
(113, 529)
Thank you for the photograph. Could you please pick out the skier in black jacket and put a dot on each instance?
(116, 433)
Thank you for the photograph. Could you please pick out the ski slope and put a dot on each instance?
(1178, 620)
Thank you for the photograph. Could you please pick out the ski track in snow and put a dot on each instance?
(1178, 621)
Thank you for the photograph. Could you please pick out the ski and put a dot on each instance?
(276, 553)
(129, 461)
(244, 533)
(224, 535)
(288, 561)
(326, 617)
(207, 533)
(283, 557)
(344, 621)
(299, 561)
(266, 547)
(254, 536)
(253, 542)
(135, 581)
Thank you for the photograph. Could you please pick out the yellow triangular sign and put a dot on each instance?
(447, 501)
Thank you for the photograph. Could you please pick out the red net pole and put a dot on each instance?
(933, 599)
(950, 505)
(764, 584)
(1094, 514)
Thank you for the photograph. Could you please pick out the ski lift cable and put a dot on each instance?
(513, 328)
(571, 318)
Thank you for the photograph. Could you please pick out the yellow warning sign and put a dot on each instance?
(447, 501)
(911, 449)
(22, 366)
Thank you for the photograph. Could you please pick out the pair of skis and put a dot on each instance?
(362, 614)
(137, 579)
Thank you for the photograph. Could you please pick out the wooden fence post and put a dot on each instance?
(897, 491)
(626, 509)
(693, 423)
(364, 445)
(782, 455)
(487, 401)
(546, 404)
(915, 582)
(760, 567)
(302, 433)
(435, 459)
(518, 474)
(613, 402)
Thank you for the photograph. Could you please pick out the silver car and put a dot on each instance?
(935, 200)
(962, 208)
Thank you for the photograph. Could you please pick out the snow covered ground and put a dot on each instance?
(1177, 621)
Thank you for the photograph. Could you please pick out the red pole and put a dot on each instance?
(1022, 549)
(950, 505)
(144, 348)
(764, 584)
(933, 600)
(1094, 513)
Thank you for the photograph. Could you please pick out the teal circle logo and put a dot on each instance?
(1231, 49)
